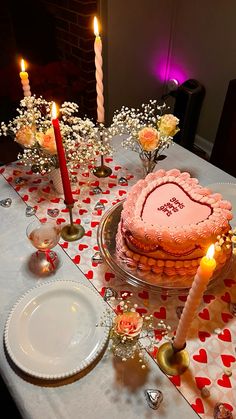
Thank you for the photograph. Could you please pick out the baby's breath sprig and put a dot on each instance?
(228, 240)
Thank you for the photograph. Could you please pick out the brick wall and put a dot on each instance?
(75, 41)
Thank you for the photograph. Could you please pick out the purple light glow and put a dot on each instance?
(163, 73)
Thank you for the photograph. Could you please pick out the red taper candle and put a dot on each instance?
(61, 158)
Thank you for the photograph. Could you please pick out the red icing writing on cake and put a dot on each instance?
(173, 205)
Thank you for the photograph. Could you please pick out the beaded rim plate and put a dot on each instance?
(52, 333)
(160, 283)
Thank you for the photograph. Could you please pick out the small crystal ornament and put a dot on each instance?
(97, 190)
(20, 181)
(97, 257)
(53, 212)
(6, 203)
(232, 308)
(99, 206)
(29, 211)
(179, 311)
(122, 181)
(109, 293)
(154, 398)
(221, 412)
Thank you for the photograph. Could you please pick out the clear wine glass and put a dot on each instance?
(43, 236)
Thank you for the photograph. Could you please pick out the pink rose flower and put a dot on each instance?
(47, 141)
(149, 138)
(25, 137)
(128, 324)
(167, 125)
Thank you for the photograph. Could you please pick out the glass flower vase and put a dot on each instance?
(55, 177)
(148, 162)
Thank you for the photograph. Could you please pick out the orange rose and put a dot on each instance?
(47, 141)
(128, 324)
(149, 138)
(25, 137)
(167, 125)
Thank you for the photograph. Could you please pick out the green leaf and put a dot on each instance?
(161, 157)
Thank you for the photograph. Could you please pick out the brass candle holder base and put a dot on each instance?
(172, 361)
(102, 170)
(72, 232)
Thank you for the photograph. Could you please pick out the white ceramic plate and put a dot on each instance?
(228, 192)
(51, 332)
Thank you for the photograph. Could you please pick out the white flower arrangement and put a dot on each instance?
(32, 128)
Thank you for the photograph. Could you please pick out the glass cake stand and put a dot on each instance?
(160, 283)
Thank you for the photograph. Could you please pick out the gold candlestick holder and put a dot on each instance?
(72, 232)
(102, 170)
(172, 361)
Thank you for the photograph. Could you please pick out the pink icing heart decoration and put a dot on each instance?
(208, 298)
(89, 275)
(226, 297)
(204, 314)
(176, 380)
(202, 382)
(224, 381)
(161, 314)
(225, 335)
(229, 282)
(82, 247)
(76, 259)
(203, 335)
(226, 317)
(198, 406)
(201, 356)
(227, 360)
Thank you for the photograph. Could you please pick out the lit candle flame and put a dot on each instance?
(95, 26)
(22, 65)
(54, 110)
(210, 252)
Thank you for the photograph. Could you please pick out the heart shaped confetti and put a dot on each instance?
(29, 211)
(6, 203)
(154, 398)
(53, 212)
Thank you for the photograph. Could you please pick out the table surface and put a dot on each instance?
(110, 387)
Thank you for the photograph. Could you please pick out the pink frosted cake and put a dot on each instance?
(168, 222)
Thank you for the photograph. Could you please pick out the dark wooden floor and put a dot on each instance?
(7, 404)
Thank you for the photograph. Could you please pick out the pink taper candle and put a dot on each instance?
(24, 80)
(99, 73)
(200, 282)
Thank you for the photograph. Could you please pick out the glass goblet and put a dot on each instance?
(43, 236)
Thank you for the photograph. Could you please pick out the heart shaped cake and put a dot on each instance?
(168, 222)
